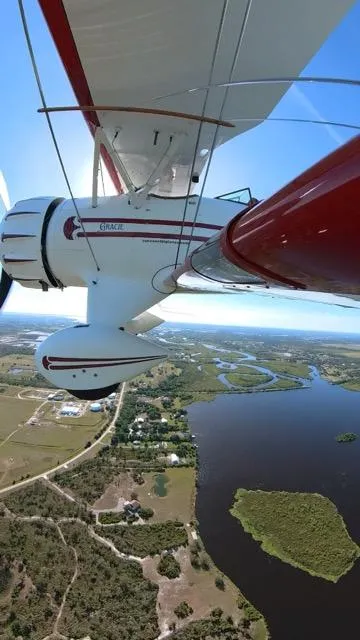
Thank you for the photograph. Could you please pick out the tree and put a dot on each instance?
(183, 610)
(219, 582)
(169, 567)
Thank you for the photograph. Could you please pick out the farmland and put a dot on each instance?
(34, 437)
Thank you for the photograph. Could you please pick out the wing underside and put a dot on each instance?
(172, 55)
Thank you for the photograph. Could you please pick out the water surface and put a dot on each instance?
(281, 440)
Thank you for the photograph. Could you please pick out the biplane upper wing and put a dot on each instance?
(164, 55)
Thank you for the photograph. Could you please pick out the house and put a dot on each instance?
(131, 507)
(163, 421)
(139, 420)
(173, 459)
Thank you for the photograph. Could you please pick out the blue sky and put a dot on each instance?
(264, 158)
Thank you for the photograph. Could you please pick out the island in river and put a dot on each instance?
(302, 529)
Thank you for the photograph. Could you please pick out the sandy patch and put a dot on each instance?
(116, 493)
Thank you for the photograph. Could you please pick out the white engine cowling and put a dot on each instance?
(90, 361)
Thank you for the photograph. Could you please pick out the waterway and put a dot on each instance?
(273, 441)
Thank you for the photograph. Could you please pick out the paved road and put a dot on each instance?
(64, 465)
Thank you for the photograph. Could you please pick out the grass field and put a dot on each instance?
(18, 361)
(178, 503)
(299, 369)
(14, 414)
(245, 377)
(27, 450)
(302, 529)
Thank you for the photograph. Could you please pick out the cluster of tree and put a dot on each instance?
(168, 566)
(346, 437)
(110, 597)
(250, 612)
(40, 500)
(112, 517)
(198, 557)
(126, 417)
(36, 380)
(99, 433)
(213, 628)
(34, 552)
(147, 539)
(183, 610)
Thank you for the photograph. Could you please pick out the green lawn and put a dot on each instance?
(302, 529)
(179, 499)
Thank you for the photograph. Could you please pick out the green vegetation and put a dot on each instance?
(211, 628)
(298, 368)
(240, 378)
(90, 479)
(160, 482)
(250, 612)
(169, 566)
(40, 568)
(302, 529)
(219, 582)
(110, 599)
(112, 517)
(352, 385)
(178, 503)
(346, 437)
(146, 513)
(183, 610)
(146, 539)
(283, 384)
(39, 500)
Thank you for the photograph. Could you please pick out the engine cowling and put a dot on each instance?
(23, 242)
(90, 361)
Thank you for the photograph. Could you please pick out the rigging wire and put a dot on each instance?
(51, 129)
(215, 53)
(233, 66)
(102, 177)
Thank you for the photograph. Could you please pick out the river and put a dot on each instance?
(273, 441)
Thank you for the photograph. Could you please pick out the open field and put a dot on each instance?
(196, 587)
(179, 500)
(29, 449)
(242, 378)
(302, 529)
(18, 365)
(299, 369)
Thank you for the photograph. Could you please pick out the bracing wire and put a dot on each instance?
(233, 66)
(102, 177)
(215, 53)
(51, 129)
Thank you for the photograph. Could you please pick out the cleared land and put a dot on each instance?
(302, 529)
(179, 499)
(34, 438)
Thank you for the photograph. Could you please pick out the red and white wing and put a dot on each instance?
(162, 54)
